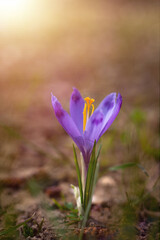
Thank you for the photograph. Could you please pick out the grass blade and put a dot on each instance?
(122, 166)
(127, 165)
(13, 229)
(143, 169)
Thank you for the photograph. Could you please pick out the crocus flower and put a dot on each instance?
(84, 125)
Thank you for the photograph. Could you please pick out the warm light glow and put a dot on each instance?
(29, 16)
(10, 8)
(14, 12)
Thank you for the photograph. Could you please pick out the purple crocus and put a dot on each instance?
(84, 125)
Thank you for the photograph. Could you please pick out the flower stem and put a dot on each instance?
(83, 176)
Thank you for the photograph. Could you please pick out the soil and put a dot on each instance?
(98, 47)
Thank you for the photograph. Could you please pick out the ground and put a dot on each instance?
(98, 47)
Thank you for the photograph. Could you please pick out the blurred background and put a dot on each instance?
(96, 46)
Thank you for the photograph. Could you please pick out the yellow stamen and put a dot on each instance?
(87, 99)
(86, 110)
(92, 100)
(84, 117)
(92, 109)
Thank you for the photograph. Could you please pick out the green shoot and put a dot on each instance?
(79, 175)
(90, 177)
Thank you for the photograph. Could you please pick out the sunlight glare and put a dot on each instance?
(26, 16)
(12, 7)
(13, 11)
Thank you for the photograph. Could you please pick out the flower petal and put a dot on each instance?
(76, 109)
(110, 117)
(67, 122)
(93, 127)
(103, 117)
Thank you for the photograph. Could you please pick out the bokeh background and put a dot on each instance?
(96, 46)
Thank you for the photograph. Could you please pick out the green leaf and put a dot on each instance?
(127, 165)
(27, 231)
(87, 210)
(78, 174)
(88, 179)
(122, 166)
(13, 229)
(98, 152)
(69, 205)
(90, 176)
(58, 205)
(71, 215)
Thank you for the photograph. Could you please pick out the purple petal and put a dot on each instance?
(107, 104)
(103, 117)
(94, 127)
(67, 123)
(76, 109)
(96, 122)
(114, 112)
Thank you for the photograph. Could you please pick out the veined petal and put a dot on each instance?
(107, 104)
(97, 121)
(76, 109)
(103, 117)
(67, 122)
(111, 117)
(106, 107)
(94, 127)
